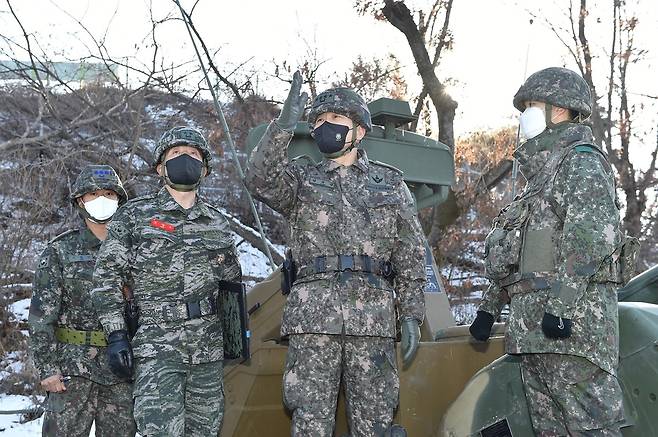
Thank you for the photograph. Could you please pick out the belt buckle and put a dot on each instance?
(320, 264)
(168, 312)
(346, 262)
(212, 301)
(367, 263)
(386, 268)
(193, 310)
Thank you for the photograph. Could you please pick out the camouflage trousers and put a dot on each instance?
(71, 413)
(569, 396)
(176, 399)
(312, 379)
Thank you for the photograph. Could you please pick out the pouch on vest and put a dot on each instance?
(502, 247)
(627, 261)
(288, 273)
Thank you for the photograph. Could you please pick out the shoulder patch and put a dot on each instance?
(388, 166)
(64, 234)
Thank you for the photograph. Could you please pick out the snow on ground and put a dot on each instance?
(12, 362)
(20, 309)
(254, 262)
(10, 424)
(161, 114)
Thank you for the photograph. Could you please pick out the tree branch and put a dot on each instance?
(397, 13)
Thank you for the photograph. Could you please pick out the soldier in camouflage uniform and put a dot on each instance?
(352, 221)
(175, 248)
(552, 254)
(66, 339)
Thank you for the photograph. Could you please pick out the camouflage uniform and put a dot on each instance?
(174, 257)
(342, 323)
(552, 251)
(61, 299)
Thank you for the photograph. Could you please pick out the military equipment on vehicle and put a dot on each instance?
(455, 386)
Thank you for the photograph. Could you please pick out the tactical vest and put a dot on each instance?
(517, 253)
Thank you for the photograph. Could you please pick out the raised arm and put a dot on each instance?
(270, 176)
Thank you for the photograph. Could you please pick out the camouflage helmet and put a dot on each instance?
(343, 101)
(557, 86)
(178, 136)
(98, 177)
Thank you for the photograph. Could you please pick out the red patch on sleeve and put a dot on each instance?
(162, 225)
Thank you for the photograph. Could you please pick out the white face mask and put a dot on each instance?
(101, 208)
(533, 122)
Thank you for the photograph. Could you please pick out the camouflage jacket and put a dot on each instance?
(172, 256)
(62, 297)
(363, 209)
(559, 236)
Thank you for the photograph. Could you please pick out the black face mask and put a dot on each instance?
(330, 137)
(183, 173)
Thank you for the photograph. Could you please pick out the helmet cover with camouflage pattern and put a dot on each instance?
(182, 136)
(344, 101)
(558, 86)
(98, 177)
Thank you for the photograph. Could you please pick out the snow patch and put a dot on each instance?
(254, 262)
(20, 309)
(10, 424)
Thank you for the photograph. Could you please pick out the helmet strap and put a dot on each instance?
(548, 114)
(178, 187)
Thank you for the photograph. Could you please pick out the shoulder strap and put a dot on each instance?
(578, 147)
(64, 234)
(143, 197)
(385, 165)
(303, 160)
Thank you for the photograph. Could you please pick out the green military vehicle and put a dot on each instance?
(455, 386)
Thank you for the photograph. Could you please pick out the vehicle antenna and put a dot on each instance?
(231, 145)
(515, 163)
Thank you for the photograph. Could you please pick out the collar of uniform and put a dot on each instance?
(573, 133)
(198, 209)
(88, 238)
(329, 165)
(168, 203)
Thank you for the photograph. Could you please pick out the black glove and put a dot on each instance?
(556, 327)
(120, 354)
(409, 337)
(480, 329)
(395, 431)
(293, 107)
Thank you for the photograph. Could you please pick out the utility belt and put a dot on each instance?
(177, 311)
(521, 283)
(79, 337)
(518, 283)
(293, 270)
(343, 263)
